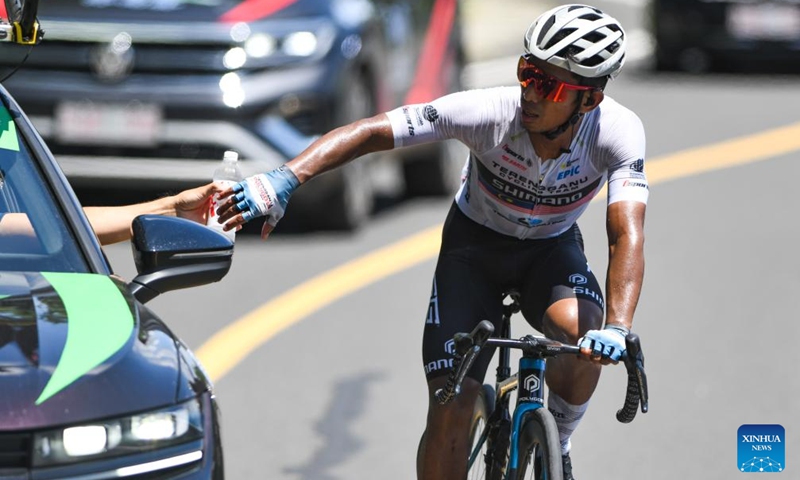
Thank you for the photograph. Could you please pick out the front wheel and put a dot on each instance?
(476, 464)
(539, 451)
(484, 405)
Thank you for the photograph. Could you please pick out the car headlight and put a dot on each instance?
(263, 45)
(122, 436)
(300, 44)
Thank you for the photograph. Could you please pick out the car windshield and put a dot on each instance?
(34, 235)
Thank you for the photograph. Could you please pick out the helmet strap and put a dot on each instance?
(573, 119)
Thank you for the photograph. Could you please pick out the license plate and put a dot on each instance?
(764, 21)
(86, 122)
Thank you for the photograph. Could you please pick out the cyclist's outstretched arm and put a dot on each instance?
(267, 194)
(112, 224)
(343, 144)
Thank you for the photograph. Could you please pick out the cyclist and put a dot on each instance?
(539, 153)
(112, 224)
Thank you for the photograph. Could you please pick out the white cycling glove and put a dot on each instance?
(606, 343)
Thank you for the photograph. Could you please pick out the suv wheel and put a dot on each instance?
(352, 200)
(438, 175)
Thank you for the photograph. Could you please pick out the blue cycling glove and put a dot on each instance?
(265, 194)
(606, 343)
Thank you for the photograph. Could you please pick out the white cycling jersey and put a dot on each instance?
(505, 185)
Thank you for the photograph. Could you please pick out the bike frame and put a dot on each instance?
(529, 380)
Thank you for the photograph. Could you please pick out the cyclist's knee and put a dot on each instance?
(569, 319)
(461, 405)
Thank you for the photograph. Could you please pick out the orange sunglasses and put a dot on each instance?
(546, 85)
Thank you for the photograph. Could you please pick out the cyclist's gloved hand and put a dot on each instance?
(265, 195)
(607, 344)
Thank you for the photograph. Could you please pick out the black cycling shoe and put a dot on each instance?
(566, 466)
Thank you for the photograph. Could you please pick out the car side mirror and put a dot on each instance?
(172, 253)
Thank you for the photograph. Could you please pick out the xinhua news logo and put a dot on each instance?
(762, 448)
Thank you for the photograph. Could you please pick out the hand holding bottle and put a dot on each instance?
(225, 176)
(263, 195)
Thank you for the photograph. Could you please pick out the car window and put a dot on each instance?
(34, 235)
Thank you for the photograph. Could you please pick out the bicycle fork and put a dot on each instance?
(530, 396)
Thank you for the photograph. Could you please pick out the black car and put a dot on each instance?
(726, 35)
(93, 384)
(133, 94)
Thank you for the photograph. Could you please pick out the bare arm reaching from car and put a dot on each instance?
(113, 224)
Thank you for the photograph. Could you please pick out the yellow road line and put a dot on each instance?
(231, 345)
(749, 149)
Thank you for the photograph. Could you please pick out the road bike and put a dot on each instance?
(506, 446)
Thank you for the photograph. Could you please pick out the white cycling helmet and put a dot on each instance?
(578, 38)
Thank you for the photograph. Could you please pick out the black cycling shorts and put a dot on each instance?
(477, 266)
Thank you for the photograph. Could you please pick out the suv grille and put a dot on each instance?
(15, 449)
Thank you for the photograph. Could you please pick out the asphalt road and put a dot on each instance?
(341, 393)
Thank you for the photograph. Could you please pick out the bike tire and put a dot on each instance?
(484, 406)
(539, 435)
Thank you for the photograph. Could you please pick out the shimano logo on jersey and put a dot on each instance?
(560, 200)
(589, 293)
(511, 194)
(638, 165)
(441, 364)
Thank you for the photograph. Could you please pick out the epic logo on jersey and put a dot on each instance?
(568, 173)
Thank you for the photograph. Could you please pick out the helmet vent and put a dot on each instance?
(545, 29)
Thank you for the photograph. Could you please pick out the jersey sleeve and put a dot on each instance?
(625, 152)
(474, 117)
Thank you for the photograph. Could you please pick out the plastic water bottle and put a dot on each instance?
(227, 174)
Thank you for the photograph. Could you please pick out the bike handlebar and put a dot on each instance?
(468, 346)
(636, 392)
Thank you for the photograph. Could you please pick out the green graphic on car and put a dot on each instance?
(8, 132)
(100, 323)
